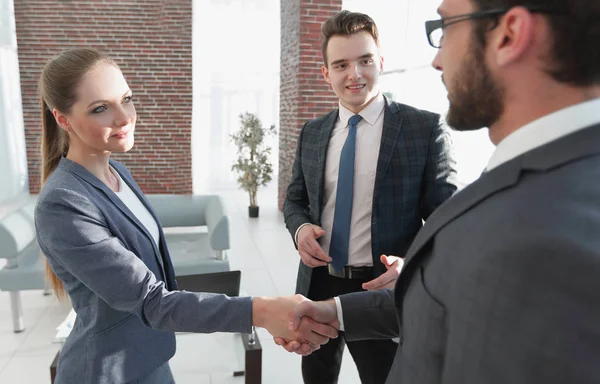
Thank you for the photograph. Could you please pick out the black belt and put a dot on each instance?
(349, 272)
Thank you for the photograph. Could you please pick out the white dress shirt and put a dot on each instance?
(130, 199)
(535, 134)
(368, 140)
(544, 130)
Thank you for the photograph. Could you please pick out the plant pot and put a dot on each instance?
(253, 211)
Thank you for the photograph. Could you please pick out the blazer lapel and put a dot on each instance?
(115, 199)
(392, 124)
(86, 175)
(125, 209)
(323, 144)
(496, 180)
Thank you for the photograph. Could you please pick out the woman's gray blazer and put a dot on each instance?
(121, 284)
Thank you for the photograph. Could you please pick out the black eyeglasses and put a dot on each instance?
(435, 28)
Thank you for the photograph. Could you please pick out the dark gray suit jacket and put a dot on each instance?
(415, 174)
(121, 285)
(502, 285)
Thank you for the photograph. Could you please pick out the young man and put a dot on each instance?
(364, 179)
(501, 285)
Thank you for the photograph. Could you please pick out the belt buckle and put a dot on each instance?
(333, 272)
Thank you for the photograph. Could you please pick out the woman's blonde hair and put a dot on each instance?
(57, 85)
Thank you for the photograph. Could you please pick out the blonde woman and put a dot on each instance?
(105, 247)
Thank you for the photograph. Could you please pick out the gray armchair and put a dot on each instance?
(196, 230)
(24, 269)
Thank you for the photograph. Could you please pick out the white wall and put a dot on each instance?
(13, 160)
(232, 73)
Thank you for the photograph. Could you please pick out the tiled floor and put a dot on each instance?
(261, 248)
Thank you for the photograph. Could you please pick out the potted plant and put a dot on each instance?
(253, 157)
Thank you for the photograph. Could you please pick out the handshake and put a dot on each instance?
(296, 323)
(300, 325)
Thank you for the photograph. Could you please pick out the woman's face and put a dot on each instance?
(102, 120)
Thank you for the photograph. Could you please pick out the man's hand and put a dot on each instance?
(273, 315)
(388, 279)
(308, 247)
(320, 311)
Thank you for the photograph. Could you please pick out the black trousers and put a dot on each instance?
(373, 358)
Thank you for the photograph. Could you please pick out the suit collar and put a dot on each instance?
(578, 145)
(545, 130)
(81, 172)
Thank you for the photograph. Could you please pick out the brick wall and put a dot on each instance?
(151, 40)
(304, 94)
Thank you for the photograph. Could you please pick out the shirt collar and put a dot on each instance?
(544, 130)
(369, 114)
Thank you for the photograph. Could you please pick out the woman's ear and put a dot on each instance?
(61, 120)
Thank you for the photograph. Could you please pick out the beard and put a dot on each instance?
(476, 98)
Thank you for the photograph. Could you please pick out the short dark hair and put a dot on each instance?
(346, 23)
(574, 56)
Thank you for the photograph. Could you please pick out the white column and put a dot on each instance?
(13, 157)
(201, 149)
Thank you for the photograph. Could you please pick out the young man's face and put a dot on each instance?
(353, 69)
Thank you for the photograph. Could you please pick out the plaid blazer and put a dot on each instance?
(415, 174)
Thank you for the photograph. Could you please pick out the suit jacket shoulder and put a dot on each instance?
(315, 125)
(416, 117)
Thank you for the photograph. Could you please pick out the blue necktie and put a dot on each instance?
(340, 234)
